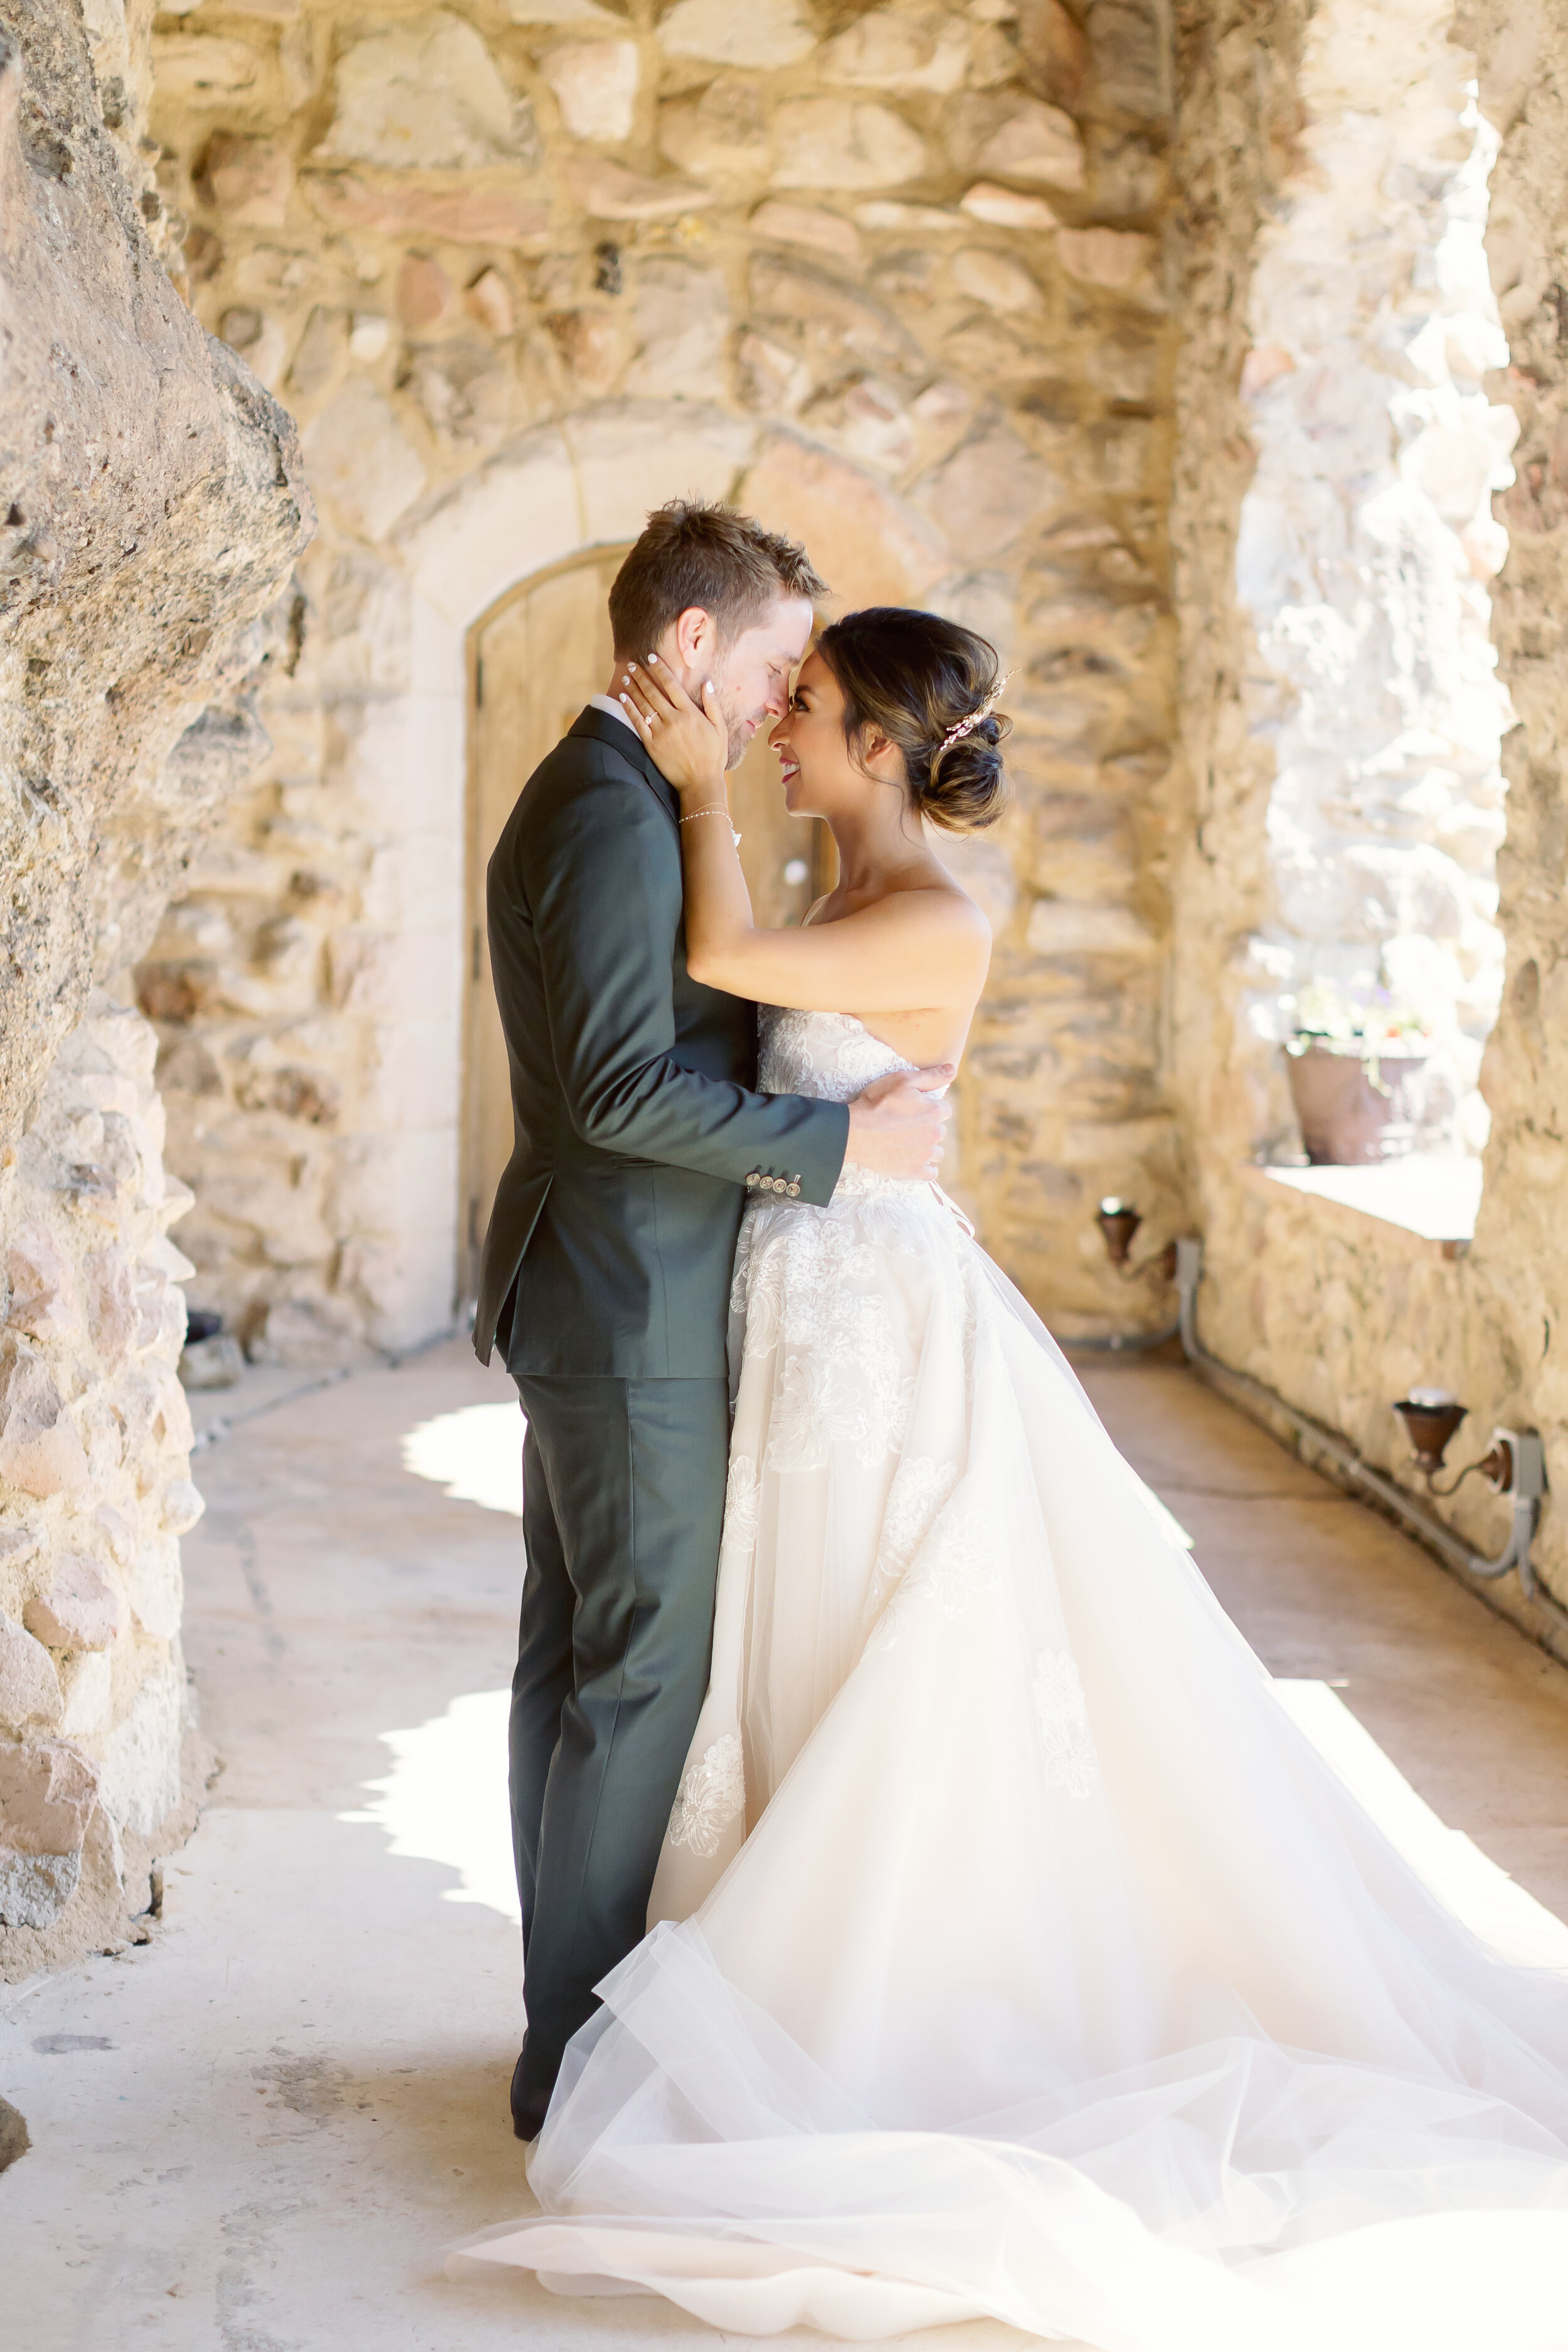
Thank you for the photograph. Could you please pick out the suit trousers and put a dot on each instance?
(623, 1511)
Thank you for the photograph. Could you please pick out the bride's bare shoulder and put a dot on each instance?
(941, 903)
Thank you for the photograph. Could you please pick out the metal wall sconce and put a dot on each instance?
(1515, 1466)
(1119, 1221)
(1430, 1420)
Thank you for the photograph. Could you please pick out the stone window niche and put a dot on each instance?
(1366, 545)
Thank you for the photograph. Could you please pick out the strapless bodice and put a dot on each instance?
(829, 1054)
(832, 1056)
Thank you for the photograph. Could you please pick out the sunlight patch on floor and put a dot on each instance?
(445, 1798)
(475, 1455)
(1492, 1904)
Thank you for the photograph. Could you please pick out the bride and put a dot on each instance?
(1012, 1954)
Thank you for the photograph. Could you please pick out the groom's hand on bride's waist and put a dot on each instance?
(896, 1127)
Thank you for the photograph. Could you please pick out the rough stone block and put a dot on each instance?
(118, 1533)
(994, 279)
(87, 1681)
(1054, 50)
(156, 1587)
(869, 547)
(834, 321)
(36, 1887)
(465, 391)
(763, 33)
(595, 87)
(363, 460)
(182, 1505)
(1117, 258)
(1130, 41)
(609, 191)
(319, 356)
(425, 293)
(490, 301)
(782, 222)
(30, 1685)
(40, 1448)
(769, 378)
(564, 12)
(80, 1609)
(631, 455)
(841, 142)
(150, 1288)
(428, 94)
(1016, 139)
(681, 318)
(596, 345)
(984, 495)
(467, 212)
(171, 1427)
(43, 1296)
(918, 48)
(47, 1795)
(1002, 208)
(723, 133)
(114, 1315)
(140, 1774)
(867, 419)
(246, 179)
(202, 70)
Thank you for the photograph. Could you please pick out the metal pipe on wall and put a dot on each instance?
(1527, 1462)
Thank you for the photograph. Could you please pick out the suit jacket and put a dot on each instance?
(637, 1132)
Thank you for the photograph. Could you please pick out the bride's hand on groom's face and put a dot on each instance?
(689, 741)
(897, 1125)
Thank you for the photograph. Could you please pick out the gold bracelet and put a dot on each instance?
(695, 814)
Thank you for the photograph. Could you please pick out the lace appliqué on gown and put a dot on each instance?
(954, 1565)
(742, 1507)
(921, 1484)
(712, 1791)
(803, 1280)
(1071, 1762)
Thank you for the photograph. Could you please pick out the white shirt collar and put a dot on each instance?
(611, 710)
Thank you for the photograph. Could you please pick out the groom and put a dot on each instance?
(605, 1275)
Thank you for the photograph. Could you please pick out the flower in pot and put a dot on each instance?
(1352, 1063)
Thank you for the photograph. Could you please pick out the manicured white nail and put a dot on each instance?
(653, 661)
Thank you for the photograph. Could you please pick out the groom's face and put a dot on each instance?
(752, 672)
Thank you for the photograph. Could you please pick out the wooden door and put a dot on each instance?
(533, 661)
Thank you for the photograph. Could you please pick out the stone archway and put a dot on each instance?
(549, 499)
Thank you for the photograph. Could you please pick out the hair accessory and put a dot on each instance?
(963, 727)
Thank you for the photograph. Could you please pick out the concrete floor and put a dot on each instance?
(259, 2132)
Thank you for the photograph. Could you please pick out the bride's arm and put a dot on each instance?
(935, 940)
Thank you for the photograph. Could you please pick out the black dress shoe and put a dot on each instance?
(529, 2103)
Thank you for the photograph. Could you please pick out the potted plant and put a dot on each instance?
(1353, 1063)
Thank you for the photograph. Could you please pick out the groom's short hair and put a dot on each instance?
(694, 552)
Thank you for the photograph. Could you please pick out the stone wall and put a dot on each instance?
(154, 508)
(1341, 1314)
(893, 277)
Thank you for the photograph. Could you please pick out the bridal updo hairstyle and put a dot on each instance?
(918, 678)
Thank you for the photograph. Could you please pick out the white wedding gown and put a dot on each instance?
(1014, 1953)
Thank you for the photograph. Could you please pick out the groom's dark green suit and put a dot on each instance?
(606, 1280)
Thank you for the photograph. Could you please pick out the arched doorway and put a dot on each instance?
(534, 659)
